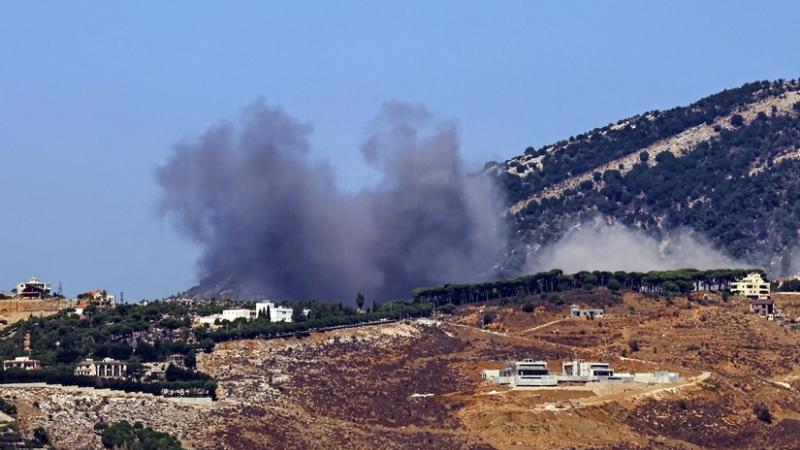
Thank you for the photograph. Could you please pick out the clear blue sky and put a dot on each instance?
(94, 94)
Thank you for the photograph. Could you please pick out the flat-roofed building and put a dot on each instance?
(762, 306)
(105, 368)
(276, 313)
(22, 362)
(527, 372)
(751, 286)
(233, 314)
(580, 368)
(34, 288)
(588, 313)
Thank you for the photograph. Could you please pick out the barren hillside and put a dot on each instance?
(418, 384)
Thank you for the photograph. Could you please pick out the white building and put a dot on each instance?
(233, 314)
(276, 313)
(525, 373)
(536, 373)
(33, 288)
(107, 368)
(751, 286)
(209, 320)
(580, 368)
(577, 311)
(22, 362)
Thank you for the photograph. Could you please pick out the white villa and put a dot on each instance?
(752, 286)
(107, 368)
(276, 313)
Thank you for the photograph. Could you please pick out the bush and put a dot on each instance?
(737, 120)
(137, 437)
(488, 318)
(8, 408)
(762, 413)
(40, 435)
(633, 344)
(527, 307)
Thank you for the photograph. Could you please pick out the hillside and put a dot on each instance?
(417, 384)
(723, 167)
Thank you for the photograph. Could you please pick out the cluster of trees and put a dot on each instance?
(586, 151)
(322, 316)
(65, 338)
(199, 385)
(62, 340)
(753, 214)
(654, 282)
(789, 286)
(123, 435)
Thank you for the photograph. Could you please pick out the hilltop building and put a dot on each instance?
(34, 288)
(99, 297)
(22, 362)
(81, 306)
(577, 311)
(276, 313)
(107, 368)
(752, 286)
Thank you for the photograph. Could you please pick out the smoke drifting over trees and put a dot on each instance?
(594, 245)
(272, 222)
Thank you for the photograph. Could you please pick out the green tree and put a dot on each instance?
(360, 300)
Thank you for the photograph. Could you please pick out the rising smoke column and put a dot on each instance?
(269, 218)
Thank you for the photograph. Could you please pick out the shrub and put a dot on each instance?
(488, 318)
(40, 435)
(8, 408)
(527, 307)
(762, 413)
(123, 435)
(633, 344)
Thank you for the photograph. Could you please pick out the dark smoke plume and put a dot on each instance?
(271, 222)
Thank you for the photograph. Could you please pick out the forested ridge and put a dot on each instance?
(739, 188)
(660, 282)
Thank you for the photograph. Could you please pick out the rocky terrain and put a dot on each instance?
(417, 384)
